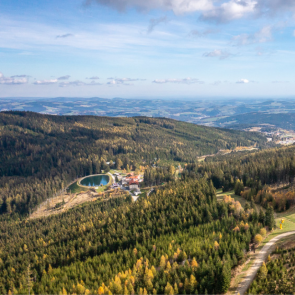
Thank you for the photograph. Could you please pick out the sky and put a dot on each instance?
(147, 48)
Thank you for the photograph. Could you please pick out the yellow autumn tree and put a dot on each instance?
(258, 239)
(192, 283)
(169, 289)
(163, 262)
(216, 245)
(194, 263)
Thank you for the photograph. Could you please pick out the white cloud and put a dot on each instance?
(218, 53)
(122, 81)
(119, 41)
(262, 36)
(178, 81)
(13, 80)
(197, 33)
(93, 78)
(231, 10)
(275, 7)
(280, 82)
(243, 81)
(154, 22)
(19, 76)
(45, 82)
(64, 36)
(78, 83)
(64, 77)
(218, 10)
(177, 6)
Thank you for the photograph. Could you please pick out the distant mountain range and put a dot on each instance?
(227, 113)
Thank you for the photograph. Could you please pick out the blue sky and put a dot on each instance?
(150, 48)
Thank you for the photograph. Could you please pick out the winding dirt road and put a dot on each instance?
(260, 258)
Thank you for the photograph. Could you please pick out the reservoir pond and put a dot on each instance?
(96, 180)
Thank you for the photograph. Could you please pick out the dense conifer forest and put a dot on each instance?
(251, 175)
(41, 154)
(179, 240)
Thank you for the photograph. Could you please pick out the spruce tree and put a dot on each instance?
(269, 217)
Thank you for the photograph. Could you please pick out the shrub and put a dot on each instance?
(263, 232)
(258, 239)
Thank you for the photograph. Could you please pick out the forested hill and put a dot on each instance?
(40, 154)
(179, 240)
(242, 121)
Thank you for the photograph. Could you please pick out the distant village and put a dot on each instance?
(280, 136)
(276, 135)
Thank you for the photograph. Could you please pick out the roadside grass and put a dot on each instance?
(241, 276)
(289, 212)
(291, 217)
(287, 226)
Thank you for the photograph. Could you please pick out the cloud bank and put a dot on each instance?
(45, 82)
(93, 78)
(78, 83)
(13, 80)
(64, 77)
(178, 81)
(210, 10)
(122, 81)
(177, 6)
(243, 81)
(221, 54)
(64, 36)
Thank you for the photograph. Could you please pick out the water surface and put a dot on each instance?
(96, 180)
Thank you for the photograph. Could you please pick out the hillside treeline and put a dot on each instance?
(179, 240)
(250, 175)
(40, 154)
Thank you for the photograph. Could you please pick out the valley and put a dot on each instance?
(140, 195)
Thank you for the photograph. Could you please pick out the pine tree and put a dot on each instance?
(269, 217)
(261, 217)
(29, 279)
(263, 272)
(225, 278)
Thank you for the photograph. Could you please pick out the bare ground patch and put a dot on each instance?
(67, 201)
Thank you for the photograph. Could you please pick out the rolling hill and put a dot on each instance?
(40, 154)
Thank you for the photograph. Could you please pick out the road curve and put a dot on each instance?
(260, 258)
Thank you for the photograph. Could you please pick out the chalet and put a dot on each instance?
(115, 185)
(132, 178)
(133, 185)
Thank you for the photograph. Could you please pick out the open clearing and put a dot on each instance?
(65, 202)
